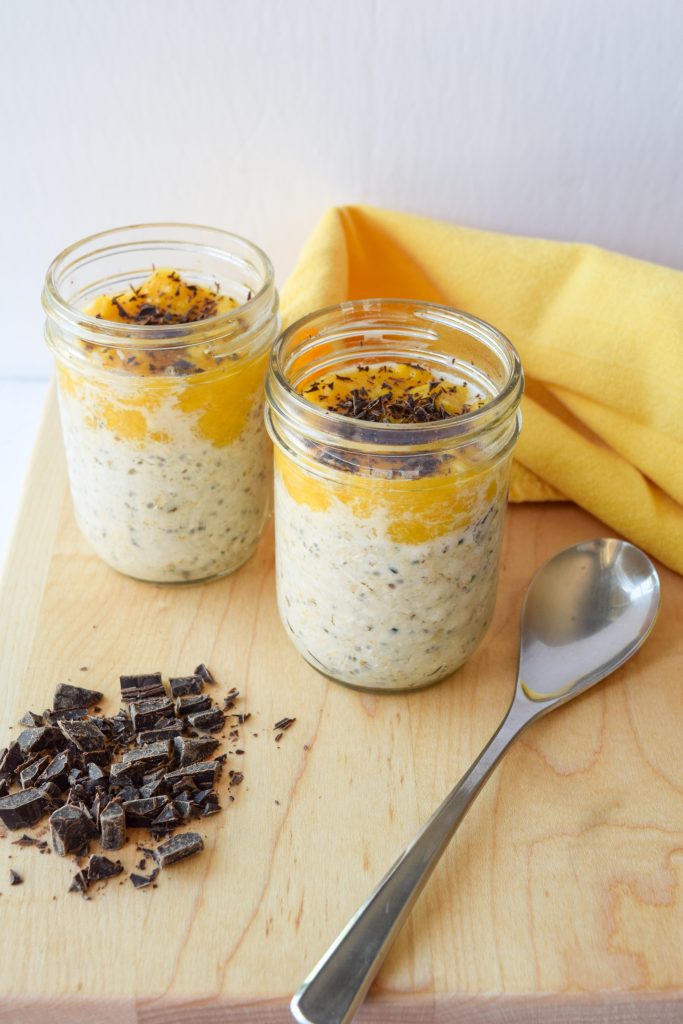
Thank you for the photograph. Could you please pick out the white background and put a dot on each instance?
(559, 118)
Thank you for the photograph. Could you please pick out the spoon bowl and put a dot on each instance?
(585, 613)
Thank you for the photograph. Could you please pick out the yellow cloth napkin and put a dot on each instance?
(601, 341)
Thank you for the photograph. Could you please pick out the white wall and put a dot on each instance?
(560, 118)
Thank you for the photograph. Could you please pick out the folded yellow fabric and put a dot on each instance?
(601, 341)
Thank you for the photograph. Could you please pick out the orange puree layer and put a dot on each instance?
(454, 494)
(216, 392)
(396, 392)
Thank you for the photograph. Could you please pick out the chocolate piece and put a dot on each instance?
(162, 732)
(121, 774)
(32, 719)
(208, 721)
(29, 841)
(203, 673)
(79, 882)
(113, 827)
(4, 787)
(32, 740)
(190, 750)
(67, 715)
(145, 714)
(177, 848)
(57, 770)
(15, 878)
(284, 724)
(203, 774)
(84, 736)
(51, 792)
(143, 812)
(134, 688)
(236, 778)
(70, 829)
(129, 793)
(182, 685)
(11, 759)
(156, 788)
(100, 867)
(151, 755)
(21, 810)
(183, 807)
(121, 727)
(68, 697)
(28, 776)
(95, 773)
(167, 820)
(140, 881)
(193, 703)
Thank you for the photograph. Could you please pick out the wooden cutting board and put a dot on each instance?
(559, 900)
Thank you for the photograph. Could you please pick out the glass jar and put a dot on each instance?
(168, 458)
(388, 535)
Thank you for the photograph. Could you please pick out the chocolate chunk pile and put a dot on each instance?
(152, 765)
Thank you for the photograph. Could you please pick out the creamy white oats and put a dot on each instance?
(380, 612)
(177, 509)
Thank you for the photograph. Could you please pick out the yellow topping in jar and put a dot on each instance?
(214, 389)
(447, 494)
(396, 392)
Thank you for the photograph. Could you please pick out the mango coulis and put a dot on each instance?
(391, 393)
(216, 391)
(451, 493)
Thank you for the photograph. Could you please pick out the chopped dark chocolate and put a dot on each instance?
(169, 819)
(21, 810)
(14, 877)
(57, 770)
(141, 881)
(162, 732)
(32, 719)
(145, 714)
(121, 774)
(100, 867)
(28, 776)
(70, 829)
(186, 844)
(140, 813)
(135, 688)
(182, 685)
(190, 750)
(32, 740)
(203, 673)
(149, 756)
(193, 703)
(284, 724)
(68, 697)
(79, 882)
(202, 774)
(208, 721)
(113, 827)
(83, 735)
(12, 758)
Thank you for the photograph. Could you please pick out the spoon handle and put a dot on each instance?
(337, 985)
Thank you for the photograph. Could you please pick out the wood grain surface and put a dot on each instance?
(560, 899)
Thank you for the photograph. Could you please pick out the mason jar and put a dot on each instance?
(388, 535)
(168, 459)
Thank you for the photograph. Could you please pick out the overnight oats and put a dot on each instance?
(161, 335)
(394, 424)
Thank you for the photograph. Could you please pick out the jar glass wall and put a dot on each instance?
(168, 459)
(388, 534)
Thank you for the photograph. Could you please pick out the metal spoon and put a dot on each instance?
(585, 613)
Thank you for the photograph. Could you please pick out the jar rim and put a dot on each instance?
(173, 335)
(506, 399)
